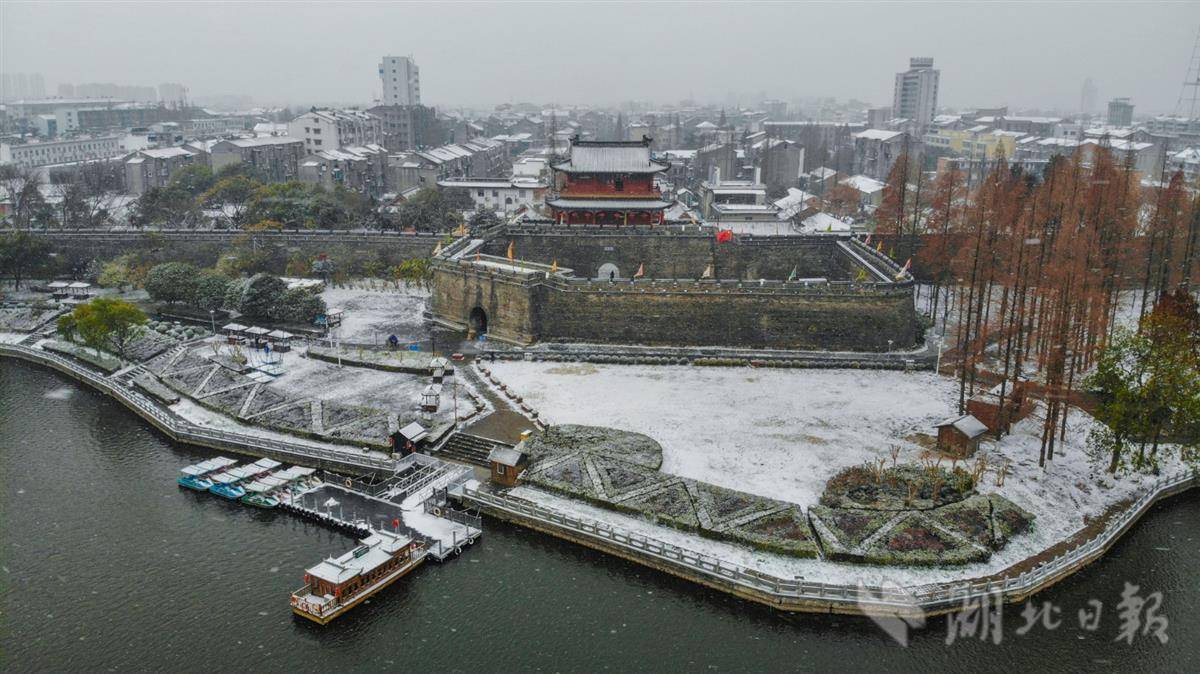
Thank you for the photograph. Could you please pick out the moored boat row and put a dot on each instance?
(257, 484)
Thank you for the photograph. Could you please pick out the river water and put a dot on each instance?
(108, 565)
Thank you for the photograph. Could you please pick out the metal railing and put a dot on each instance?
(933, 596)
(185, 431)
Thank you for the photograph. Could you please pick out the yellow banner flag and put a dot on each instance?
(554, 267)
(511, 250)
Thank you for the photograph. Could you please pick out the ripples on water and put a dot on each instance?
(107, 564)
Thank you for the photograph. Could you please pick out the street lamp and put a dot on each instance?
(212, 319)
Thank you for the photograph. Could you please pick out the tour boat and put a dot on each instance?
(335, 586)
(199, 476)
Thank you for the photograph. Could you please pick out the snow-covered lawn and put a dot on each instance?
(783, 433)
(370, 316)
(391, 391)
(776, 433)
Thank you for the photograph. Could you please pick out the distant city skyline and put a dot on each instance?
(483, 54)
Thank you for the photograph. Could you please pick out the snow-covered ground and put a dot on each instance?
(391, 391)
(777, 433)
(370, 316)
(12, 337)
(783, 434)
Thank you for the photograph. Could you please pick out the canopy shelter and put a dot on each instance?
(256, 331)
(80, 289)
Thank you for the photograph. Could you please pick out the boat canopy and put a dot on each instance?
(242, 472)
(208, 466)
(224, 478)
(273, 481)
(295, 473)
(259, 487)
(266, 464)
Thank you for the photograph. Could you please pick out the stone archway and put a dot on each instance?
(608, 271)
(477, 323)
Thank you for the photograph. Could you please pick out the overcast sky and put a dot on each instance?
(1023, 55)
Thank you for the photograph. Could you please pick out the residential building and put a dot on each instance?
(869, 189)
(273, 158)
(877, 118)
(481, 157)
(916, 92)
(401, 79)
(46, 153)
(978, 141)
(361, 168)
(1120, 112)
(500, 195)
(147, 169)
(333, 129)
(409, 127)
(876, 150)
(781, 162)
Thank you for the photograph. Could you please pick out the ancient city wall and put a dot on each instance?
(783, 319)
(355, 250)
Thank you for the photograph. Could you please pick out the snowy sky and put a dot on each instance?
(1020, 54)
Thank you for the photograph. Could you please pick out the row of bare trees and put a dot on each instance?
(1032, 273)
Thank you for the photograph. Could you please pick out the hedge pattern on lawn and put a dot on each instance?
(595, 465)
(230, 392)
(958, 533)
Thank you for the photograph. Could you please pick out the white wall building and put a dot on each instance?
(500, 195)
(59, 151)
(333, 129)
(401, 80)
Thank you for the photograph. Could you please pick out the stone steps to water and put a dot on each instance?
(470, 449)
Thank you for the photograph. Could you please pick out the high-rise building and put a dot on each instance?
(916, 93)
(401, 81)
(1088, 96)
(172, 93)
(1120, 112)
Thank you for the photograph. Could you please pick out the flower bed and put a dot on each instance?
(903, 487)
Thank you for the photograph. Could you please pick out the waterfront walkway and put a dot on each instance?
(181, 430)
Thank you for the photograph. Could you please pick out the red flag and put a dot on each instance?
(907, 264)
(724, 236)
(641, 271)
(868, 241)
(396, 523)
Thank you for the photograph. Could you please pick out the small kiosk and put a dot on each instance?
(406, 440)
(960, 436)
(257, 335)
(507, 463)
(234, 332)
(281, 340)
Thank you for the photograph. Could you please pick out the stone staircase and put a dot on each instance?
(469, 449)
